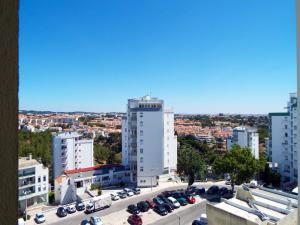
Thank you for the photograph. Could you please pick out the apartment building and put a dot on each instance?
(245, 137)
(282, 149)
(33, 183)
(71, 151)
(149, 146)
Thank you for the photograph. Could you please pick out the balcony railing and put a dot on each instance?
(26, 174)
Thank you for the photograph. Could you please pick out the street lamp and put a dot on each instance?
(152, 169)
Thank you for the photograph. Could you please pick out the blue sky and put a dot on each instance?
(202, 56)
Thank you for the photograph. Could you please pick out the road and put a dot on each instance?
(118, 209)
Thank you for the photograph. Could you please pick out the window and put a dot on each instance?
(39, 179)
(141, 169)
(141, 150)
(141, 132)
(44, 178)
(141, 115)
(39, 189)
(141, 160)
(141, 123)
(141, 141)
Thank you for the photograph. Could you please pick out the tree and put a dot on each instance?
(239, 163)
(270, 177)
(190, 163)
(101, 153)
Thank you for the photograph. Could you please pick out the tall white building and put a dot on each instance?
(245, 137)
(149, 146)
(33, 183)
(71, 152)
(282, 149)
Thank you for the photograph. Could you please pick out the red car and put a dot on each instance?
(135, 220)
(150, 203)
(191, 199)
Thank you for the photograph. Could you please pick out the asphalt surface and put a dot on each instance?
(186, 216)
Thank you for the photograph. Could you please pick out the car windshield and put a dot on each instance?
(40, 216)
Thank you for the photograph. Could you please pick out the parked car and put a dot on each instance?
(71, 209)
(143, 206)
(212, 190)
(40, 218)
(80, 206)
(168, 207)
(253, 184)
(175, 203)
(182, 201)
(161, 210)
(133, 209)
(85, 222)
(95, 220)
(135, 220)
(150, 203)
(191, 190)
(201, 221)
(228, 182)
(130, 193)
(136, 191)
(61, 212)
(190, 198)
(122, 194)
(223, 191)
(126, 189)
(158, 201)
(114, 196)
(200, 191)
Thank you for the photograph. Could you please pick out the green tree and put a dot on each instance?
(101, 153)
(239, 163)
(190, 163)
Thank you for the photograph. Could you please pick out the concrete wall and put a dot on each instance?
(218, 216)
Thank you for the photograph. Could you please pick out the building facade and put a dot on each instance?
(71, 151)
(74, 183)
(246, 138)
(33, 183)
(283, 142)
(149, 146)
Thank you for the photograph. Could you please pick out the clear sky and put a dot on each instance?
(201, 56)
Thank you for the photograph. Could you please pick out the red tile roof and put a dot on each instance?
(91, 168)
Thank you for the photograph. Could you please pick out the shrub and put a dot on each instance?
(99, 192)
(122, 184)
(51, 197)
(95, 186)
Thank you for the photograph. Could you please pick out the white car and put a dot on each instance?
(95, 220)
(114, 196)
(71, 209)
(40, 218)
(253, 184)
(174, 201)
(130, 193)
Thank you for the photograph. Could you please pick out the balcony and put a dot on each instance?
(26, 184)
(25, 174)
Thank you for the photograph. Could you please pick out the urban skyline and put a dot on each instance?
(199, 57)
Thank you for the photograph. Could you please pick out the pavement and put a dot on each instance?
(117, 214)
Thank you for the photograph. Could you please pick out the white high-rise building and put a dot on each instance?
(33, 183)
(245, 137)
(149, 146)
(283, 142)
(71, 152)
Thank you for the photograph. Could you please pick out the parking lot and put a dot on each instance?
(117, 213)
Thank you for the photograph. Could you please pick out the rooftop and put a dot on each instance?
(27, 161)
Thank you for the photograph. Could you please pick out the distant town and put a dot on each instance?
(83, 161)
